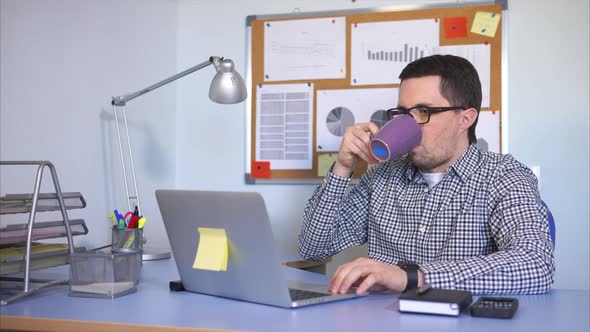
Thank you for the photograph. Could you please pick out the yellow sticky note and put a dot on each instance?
(325, 161)
(212, 250)
(485, 23)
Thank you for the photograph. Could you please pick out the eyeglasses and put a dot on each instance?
(421, 113)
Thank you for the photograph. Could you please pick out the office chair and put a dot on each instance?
(551, 223)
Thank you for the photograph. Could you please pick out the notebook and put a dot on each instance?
(254, 271)
(435, 301)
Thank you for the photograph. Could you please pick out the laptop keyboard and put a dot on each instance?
(298, 294)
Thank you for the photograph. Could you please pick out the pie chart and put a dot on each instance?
(338, 119)
(379, 118)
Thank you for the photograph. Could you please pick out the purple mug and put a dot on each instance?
(396, 138)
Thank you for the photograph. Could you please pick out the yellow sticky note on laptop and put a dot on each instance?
(485, 23)
(212, 250)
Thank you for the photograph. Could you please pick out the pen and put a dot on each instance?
(129, 241)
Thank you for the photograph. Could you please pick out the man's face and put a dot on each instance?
(441, 136)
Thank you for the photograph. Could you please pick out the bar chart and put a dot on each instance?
(407, 54)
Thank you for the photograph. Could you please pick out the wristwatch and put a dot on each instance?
(412, 272)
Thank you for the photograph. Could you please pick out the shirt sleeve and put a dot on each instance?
(334, 220)
(524, 262)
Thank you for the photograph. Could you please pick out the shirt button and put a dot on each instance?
(426, 189)
(422, 229)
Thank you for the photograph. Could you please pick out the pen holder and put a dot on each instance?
(105, 274)
(127, 238)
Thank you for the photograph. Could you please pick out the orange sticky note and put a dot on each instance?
(455, 27)
(212, 250)
(260, 170)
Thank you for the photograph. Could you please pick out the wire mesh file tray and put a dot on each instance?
(19, 250)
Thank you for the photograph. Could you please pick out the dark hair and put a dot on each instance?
(459, 82)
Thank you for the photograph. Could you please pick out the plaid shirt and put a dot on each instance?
(481, 228)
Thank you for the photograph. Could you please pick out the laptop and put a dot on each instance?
(254, 272)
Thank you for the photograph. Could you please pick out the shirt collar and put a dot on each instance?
(462, 167)
(467, 163)
(411, 170)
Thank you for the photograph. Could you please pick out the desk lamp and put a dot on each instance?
(227, 87)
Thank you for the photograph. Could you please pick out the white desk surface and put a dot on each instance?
(153, 304)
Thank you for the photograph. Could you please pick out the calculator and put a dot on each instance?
(494, 307)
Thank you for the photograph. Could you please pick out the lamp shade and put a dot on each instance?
(228, 86)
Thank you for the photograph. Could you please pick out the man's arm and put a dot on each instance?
(331, 222)
(524, 262)
(334, 220)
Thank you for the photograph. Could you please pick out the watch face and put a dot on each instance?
(404, 265)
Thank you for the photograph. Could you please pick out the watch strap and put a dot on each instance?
(412, 275)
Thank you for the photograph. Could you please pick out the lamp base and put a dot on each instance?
(150, 254)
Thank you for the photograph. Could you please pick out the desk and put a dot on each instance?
(162, 310)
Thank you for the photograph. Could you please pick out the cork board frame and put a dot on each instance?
(255, 72)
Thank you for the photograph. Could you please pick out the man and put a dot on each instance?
(447, 214)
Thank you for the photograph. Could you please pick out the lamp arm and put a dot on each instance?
(123, 99)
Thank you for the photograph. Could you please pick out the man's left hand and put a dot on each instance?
(368, 275)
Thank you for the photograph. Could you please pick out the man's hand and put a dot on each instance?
(370, 275)
(354, 146)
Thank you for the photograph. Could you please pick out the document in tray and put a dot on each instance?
(10, 202)
(42, 230)
(12, 258)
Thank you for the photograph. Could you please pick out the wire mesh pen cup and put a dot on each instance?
(131, 238)
(106, 274)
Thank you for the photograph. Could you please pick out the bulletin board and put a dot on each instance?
(310, 75)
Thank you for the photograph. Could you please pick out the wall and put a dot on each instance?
(61, 61)
(549, 122)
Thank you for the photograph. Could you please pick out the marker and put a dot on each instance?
(118, 215)
(141, 222)
(113, 218)
(133, 222)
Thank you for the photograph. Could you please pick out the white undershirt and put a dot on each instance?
(432, 178)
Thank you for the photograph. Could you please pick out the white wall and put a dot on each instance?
(549, 122)
(60, 62)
